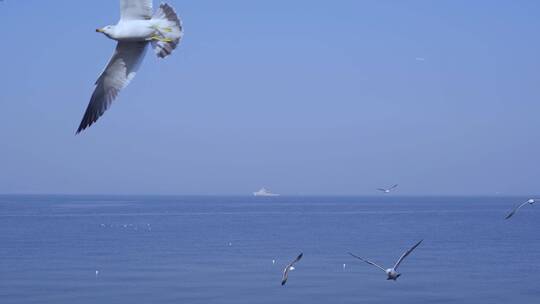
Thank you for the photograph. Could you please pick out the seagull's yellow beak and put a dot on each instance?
(99, 30)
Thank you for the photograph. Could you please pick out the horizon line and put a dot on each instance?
(281, 195)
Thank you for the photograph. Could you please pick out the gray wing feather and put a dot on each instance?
(298, 258)
(285, 276)
(404, 255)
(368, 261)
(515, 210)
(135, 9)
(116, 76)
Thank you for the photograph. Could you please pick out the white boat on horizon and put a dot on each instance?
(264, 192)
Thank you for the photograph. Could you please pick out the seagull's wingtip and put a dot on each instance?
(79, 131)
(82, 127)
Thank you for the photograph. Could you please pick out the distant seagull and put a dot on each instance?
(387, 190)
(289, 268)
(530, 202)
(136, 28)
(391, 272)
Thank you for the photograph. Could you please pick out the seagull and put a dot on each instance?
(289, 268)
(136, 28)
(387, 190)
(391, 272)
(530, 202)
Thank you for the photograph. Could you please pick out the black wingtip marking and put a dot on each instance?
(80, 129)
(84, 124)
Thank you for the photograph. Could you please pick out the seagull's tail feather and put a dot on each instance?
(169, 26)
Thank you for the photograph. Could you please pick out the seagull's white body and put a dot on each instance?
(137, 27)
(387, 190)
(133, 30)
(391, 273)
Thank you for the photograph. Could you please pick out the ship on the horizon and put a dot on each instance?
(264, 192)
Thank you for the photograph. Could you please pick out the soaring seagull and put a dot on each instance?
(391, 272)
(136, 28)
(530, 202)
(289, 268)
(387, 190)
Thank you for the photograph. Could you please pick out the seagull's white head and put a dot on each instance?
(108, 30)
(531, 201)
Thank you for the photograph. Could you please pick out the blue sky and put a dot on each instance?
(304, 97)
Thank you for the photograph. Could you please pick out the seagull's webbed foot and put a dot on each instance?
(161, 29)
(162, 39)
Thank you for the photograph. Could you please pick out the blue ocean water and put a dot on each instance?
(212, 249)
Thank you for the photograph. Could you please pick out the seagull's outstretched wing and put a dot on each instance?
(135, 9)
(404, 255)
(393, 187)
(381, 189)
(368, 261)
(516, 209)
(288, 268)
(116, 76)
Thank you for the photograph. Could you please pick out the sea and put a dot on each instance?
(232, 249)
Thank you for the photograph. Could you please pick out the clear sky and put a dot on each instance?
(304, 97)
